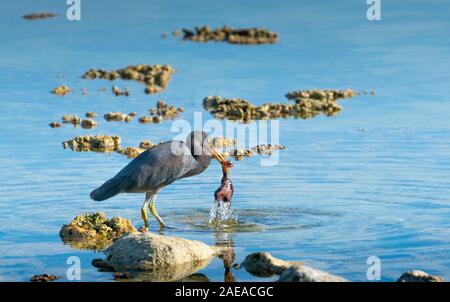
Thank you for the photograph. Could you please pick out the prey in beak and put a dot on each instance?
(226, 189)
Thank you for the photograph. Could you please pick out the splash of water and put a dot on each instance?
(222, 214)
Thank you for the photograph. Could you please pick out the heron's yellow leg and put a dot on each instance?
(144, 213)
(154, 213)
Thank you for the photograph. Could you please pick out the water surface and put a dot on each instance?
(372, 181)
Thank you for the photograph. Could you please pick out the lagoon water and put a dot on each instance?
(372, 181)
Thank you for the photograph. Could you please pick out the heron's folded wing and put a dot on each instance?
(154, 168)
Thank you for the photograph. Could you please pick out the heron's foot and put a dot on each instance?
(162, 224)
(143, 229)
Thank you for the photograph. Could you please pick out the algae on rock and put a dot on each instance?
(94, 230)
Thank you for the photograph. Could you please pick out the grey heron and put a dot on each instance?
(158, 167)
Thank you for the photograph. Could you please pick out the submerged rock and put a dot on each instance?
(145, 119)
(230, 35)
(71, 119)
(158, 257)
(94, 231)
(155, 77)
(61, 90)
(131, 152)
(146, 144)
(238, 154)
(91, 114)
(54, 125)
(97, 143)
(163, 111)
(267, 149)
(36, 16)
(303, 273)
(88, 124)
(220, 142)
(118, 117)
(44, 278)
(263, 264)
(116, 90)
(308, 103)
(241, 153)
(321, 94)
(419, 276)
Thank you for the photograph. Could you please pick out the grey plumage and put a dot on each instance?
(158, 167)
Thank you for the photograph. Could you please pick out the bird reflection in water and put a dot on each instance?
(225, 239)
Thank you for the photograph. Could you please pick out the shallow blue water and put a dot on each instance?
(372, 181)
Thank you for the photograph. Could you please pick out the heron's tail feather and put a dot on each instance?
(107, 190)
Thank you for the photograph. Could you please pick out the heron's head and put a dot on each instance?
(201, 146)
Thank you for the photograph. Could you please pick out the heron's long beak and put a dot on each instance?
(216, 154)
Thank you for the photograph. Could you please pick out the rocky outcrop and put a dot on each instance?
(157, 258)
(308, 104)
(303, 273)
(94, 231)
(61, 90)
(230, 35)
(263, 264)
(97, 143)
(146, 251)
(155, 77)
(419, 276)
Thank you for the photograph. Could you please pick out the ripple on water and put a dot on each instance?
(224, 218)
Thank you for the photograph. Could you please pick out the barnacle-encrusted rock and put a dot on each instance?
(97, 143)
(71, 119)
(94, 230)
(117, 117)
(220, 142)
(44, 278)
(61, 90)
(35, 16)
(157, 119)
(116, 90)
(321, 94)
(267, 149)
(91, 114)
(131, 152)
(145, 119)
(239, 154)
(146, 144)
(88, 124)
(54, 125)
(155, 77)
(419, 276)
(163, 111)
(231, 35)
(308, 103)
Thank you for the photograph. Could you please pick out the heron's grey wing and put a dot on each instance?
(155, 168)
